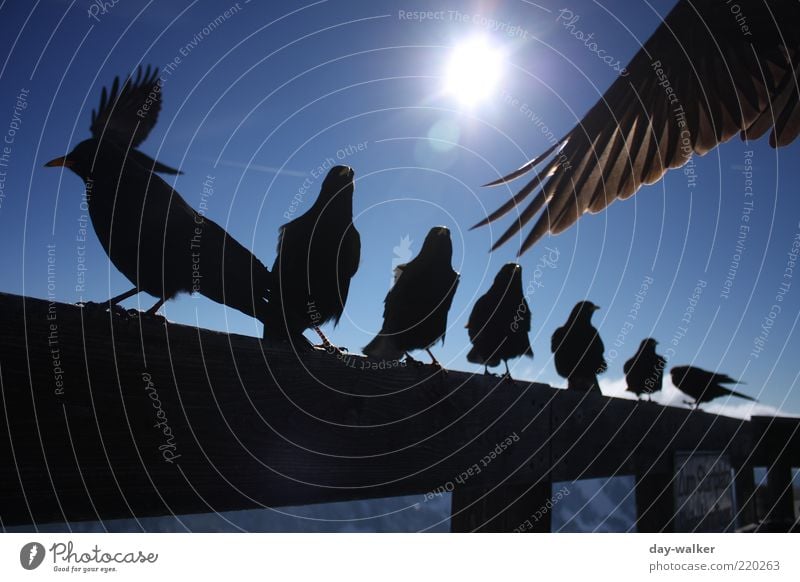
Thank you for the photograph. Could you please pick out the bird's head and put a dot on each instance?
(88, 155)
(338, 181)
(509, 274)
(583, 310)
(438, 243)
(648, 343)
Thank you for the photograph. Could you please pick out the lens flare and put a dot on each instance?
(473, 71)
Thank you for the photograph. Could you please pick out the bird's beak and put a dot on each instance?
(595, 308)
(62, 161)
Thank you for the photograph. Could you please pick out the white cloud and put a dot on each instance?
(671, 396)
(265, 169)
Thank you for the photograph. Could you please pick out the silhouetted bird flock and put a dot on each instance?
(698, 81)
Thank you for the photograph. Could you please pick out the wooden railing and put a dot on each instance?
(110, 418)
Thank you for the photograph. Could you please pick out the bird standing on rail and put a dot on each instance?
(578, 350)
(147, 229)
(700, 79)
(416, 307)
(702, 385)
(500, 321)
(318, 255)
(644, 372)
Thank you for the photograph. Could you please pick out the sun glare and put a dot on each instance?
(473, 71)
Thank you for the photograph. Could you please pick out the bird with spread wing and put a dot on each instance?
(698, 81)
(150, 233)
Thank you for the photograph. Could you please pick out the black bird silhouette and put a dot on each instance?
(157, 240)
(500, 321)
(703, 385)
(704, 76)
(318, 255)
(578, 349)
(644, 372)
(415, 309)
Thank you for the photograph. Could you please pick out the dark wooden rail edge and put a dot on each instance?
(104, 417)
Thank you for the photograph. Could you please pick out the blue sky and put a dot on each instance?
(277, 89)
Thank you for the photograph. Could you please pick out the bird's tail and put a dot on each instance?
(383, 347)
(739, 394)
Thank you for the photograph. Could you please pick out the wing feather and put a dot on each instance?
(723, 82)
(121, 116)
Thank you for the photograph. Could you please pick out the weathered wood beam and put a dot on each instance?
(104, 417)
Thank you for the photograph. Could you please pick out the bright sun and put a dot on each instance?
(473, 71)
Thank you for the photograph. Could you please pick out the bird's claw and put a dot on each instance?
(413, 361)
(154, 317)
(112, 308)
(332, 349)
(438, 368)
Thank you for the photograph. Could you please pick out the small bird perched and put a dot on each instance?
(500, 321)
(157, 240)
(644, 372)
(415, 309)
(318, 255)
(703, 385)
(578, 350)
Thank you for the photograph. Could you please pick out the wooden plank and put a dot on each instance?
(777, 450)
(247, 427)
(516, 507)
(104, 417)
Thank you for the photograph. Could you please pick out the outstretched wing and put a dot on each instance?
(128, 112)
(699, 80)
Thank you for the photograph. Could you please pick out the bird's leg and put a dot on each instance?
(123, 296)
(435, 363)
(154, 309)
(326, 343)
(113, 303)
(507, 377)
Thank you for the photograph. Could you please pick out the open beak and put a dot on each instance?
(62, 161)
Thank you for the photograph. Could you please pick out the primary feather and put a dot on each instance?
(697, 82)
